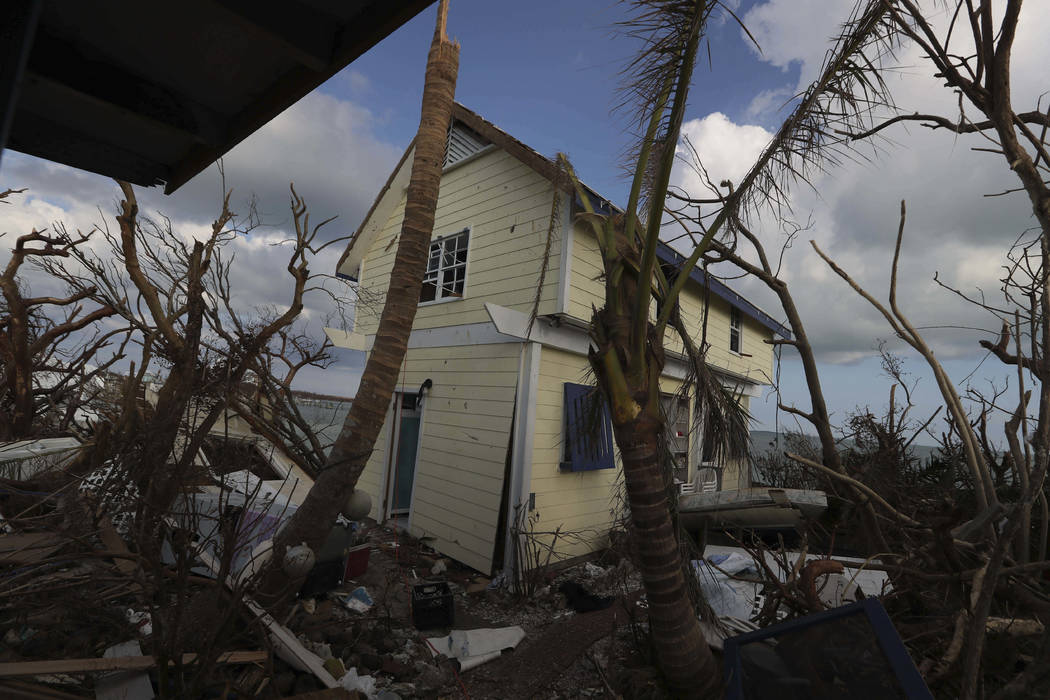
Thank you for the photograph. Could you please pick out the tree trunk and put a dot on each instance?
(356, 441)
(17, 358)
(685, 659)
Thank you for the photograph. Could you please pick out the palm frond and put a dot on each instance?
(849, 91)
(668, 32)
(845, 97)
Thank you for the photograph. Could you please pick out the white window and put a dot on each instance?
(446, 268)
(734, 329)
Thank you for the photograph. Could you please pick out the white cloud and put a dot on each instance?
(769, 104)
(327, 146)
(952, 229)
(795, 33)
(726, 149)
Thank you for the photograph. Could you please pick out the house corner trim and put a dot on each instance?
(565, 264)
(524, 436)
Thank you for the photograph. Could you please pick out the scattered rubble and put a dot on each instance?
(83, 612)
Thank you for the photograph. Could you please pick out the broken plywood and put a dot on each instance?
(28, 547)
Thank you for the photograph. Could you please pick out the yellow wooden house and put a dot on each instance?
(483, 419)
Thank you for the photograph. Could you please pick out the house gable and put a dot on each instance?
(504, 206)
(501, 193)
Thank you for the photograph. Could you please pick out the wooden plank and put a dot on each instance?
(114, 542)
(329, 694)
(28, 547)
(286, 645)
(23, 690)
(120, 663)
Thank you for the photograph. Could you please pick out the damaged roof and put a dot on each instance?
(362, 238)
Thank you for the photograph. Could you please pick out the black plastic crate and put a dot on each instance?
(325, 576)
(432, 605)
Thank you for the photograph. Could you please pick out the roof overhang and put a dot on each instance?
(669, 256)
(153, 93)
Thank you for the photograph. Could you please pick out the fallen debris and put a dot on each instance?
(285, 643)
(117, 663)
(361, 684)
(359, 601)
(28, 547)
(25, 459)
(474, 647)
(330, 694)
(124, 685)
(581, 600)
(432, 605)
(727, 595)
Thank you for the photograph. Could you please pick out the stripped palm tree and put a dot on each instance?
(350, 452)
(627, 352)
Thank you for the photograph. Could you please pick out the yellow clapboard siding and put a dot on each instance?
(478, 391)
(491, 195)
(463, 448)
(526, 196)
(454, 468)
(496, 351)
(588, 289)
(479, 506)
(469, 405)
(566, 499)
(470, 449)
(578, 516)
(575, 501)
(468, 549)
(468, 532)
(601, 499)
(473, 421)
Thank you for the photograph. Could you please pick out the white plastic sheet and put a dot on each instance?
(728, 596)
(474, 647)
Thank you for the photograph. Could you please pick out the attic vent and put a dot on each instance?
(463, 142)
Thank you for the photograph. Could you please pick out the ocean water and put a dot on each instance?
(326, 417)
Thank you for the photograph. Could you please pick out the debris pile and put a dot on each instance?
(88, 611)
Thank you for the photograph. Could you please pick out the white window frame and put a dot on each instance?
(736, 326)
(440, 272)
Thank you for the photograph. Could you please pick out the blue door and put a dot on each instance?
(407, 443)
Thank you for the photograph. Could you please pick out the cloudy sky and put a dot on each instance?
(546, 72)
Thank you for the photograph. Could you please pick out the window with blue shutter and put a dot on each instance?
(588, 430)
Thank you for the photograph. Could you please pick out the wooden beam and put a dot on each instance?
(23, 690)
(121, 663)
(59, 62)
(38, 135)
(18, 23)
(303, 33)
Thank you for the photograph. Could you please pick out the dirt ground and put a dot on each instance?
(564, 653)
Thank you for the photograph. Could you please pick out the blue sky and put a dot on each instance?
(547, 73)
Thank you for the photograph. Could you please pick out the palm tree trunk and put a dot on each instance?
(356, 440)
(684, 657)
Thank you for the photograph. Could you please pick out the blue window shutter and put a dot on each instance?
(587, 446)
